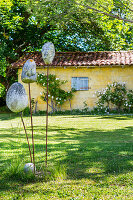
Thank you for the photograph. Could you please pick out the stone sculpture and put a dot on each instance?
(29, 76)
(29, 72)
(29, 167)
(16, 98)
(48, 52)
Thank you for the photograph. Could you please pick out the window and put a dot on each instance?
(79, 83)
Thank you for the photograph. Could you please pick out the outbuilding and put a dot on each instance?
(87, 72)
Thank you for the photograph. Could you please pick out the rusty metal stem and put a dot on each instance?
(26, 135)
(47, 116)
(32, 127)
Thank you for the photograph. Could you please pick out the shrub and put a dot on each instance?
(104, 98)
(4, 109)
(26, 111)
(118, 94)
(115, 94)
(56, 96)
(2, 95)
(128, 104)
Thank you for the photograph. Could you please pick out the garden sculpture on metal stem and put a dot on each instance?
(29, 76)
(17, 101)
(48, 54)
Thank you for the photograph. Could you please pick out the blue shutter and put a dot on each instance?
(83, 83)
(74, 83)
(79, 83)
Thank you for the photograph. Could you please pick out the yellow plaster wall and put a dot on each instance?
(99, 77)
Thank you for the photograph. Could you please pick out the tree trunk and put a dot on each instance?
(70, 104)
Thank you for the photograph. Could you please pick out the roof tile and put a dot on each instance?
(80, 58)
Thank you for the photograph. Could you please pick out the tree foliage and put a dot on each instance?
(72, 25)
(19, 32)
(65, 10)
(87, 25)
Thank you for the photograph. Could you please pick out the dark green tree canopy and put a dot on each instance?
(72, 25)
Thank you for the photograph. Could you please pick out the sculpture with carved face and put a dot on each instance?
(29, 72)
(48, 52)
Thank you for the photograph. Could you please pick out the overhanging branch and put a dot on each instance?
(107, 14)
(110, 15)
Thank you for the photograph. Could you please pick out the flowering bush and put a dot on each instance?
(104, 97)
(128, 104)
(56, 95)
(116, 94)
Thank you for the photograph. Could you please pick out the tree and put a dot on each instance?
(86, 25)
(65, 10)
(72, 25)
(19, 32)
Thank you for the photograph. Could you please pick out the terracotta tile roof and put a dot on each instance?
(81, 58)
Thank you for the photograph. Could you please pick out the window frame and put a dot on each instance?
(80, 81)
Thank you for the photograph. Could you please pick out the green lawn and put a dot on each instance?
(89, 157)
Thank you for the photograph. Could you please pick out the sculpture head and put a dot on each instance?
(48, 52)
(29, 72)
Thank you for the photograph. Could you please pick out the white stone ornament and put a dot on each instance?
(29, 167)
(48, 52)
(29, 72)
(16, 98)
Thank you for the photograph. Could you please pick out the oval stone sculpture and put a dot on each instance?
(29, 167)
(16, 98)
(29, 72)
(48, 52)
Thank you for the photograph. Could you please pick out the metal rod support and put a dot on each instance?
(26, 135)
(47, 116)
(32, 127)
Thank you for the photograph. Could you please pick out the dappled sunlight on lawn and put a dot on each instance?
(93, 149)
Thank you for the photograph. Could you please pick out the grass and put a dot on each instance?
(89, 157)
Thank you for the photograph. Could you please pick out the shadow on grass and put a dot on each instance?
(8, 116)
(86, 154)
(116, 117)
(96, 153)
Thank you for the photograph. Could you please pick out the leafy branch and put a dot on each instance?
(56, 95)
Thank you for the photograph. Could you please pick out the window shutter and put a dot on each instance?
(84, 83)
(74, 83)
(79, 83)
